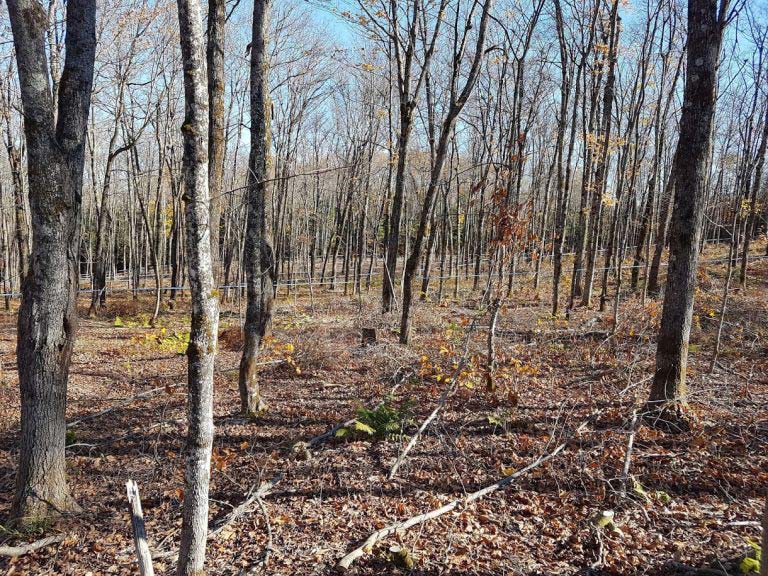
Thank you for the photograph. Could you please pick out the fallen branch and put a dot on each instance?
(139, 530)
(628, 454)
(447, 393)
(121, 404)
(16, 551)
(270, 542)
(254, 496)
(379, 535)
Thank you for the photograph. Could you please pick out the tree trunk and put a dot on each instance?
(216, 128)
(457, 102)
(204, 299)
(258, 260)
(668, 399)
(48, 315)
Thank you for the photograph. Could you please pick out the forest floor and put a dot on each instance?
(692, 499)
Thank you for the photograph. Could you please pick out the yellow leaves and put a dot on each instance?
(367, 67)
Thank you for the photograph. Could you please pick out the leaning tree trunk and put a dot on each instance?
(258, 260)
(457, 102)
(667, 400)
(204, 299)
(48, 315)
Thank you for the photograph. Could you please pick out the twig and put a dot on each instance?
(628, 455)
(254, 495)
(269, 547)
(16, 551)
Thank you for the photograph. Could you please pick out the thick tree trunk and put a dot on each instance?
(204, 298)
(48, 315)
(668, 399)
(258, 259)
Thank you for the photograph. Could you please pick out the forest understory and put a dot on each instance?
(688, 501)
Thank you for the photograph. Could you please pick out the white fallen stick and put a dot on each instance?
(447, 393)
(15, 551)
(379, 535)
(628, 454)
(139, 530)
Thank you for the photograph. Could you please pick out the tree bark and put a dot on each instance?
(668, 399)
(48, 315)
(216, 135)
(258, 259)
(204, 298)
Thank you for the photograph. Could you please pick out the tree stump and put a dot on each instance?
(368, 336)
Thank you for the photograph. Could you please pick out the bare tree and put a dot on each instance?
(458, 98)
(48, 314)
(258, 260)
(706, 23)
(205, 309)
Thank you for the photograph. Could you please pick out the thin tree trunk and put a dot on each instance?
(203, 335)
(258, 260)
